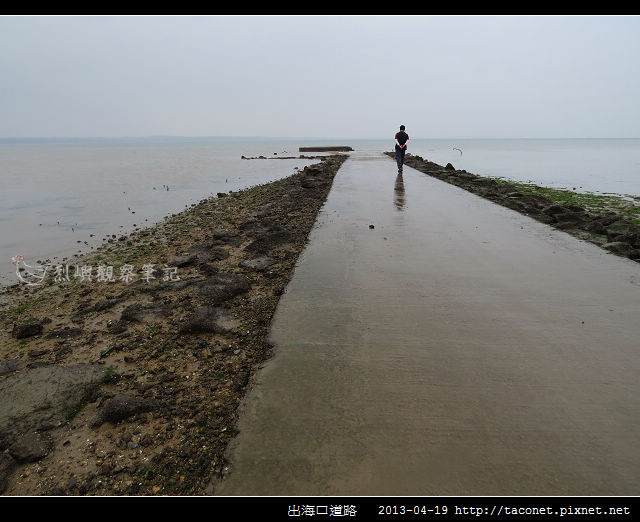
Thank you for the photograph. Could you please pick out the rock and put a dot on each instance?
(248, 224)
(38, 364)
(448, 166)
(223, 286)
(267, 239)
(241, 380)
(185, 260)
(38, 352)
(208, 252)
(569, 216)
(618, 247)
(633, 238)
(9, 366)
(122, 407)
(596, 227)
(31, 447)
(313, 170)
(466, 176)
(105, 304)
(220, 234)
(6, 467)
(27, 329)
(536, 201)
(608, 219)
(515, 204)
(263, 211)
(118, 347)
(210, 319)
(552, 210)
(169, 286)
(208, 269)
(543, 218)
(619, 228)
(259, 263)
(40, 398)
(221, 195)
(61, 352)
(117, 327)
(139, 312)
(5, 440)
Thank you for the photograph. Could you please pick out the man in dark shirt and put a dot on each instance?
(401, 146)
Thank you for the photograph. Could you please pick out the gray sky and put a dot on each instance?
(320, 76)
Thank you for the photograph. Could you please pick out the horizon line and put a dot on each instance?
(177, 136)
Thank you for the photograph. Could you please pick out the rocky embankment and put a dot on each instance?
(275, 156)
(115, 385)
(598, 221)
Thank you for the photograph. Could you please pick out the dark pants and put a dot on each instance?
(400, 156)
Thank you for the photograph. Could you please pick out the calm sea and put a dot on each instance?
(55, 194)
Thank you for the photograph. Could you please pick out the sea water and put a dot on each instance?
(57, 195)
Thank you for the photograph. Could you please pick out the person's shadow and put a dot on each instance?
(399, 197)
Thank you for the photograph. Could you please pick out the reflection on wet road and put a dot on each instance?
(399, 197)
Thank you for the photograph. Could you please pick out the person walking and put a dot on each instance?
(401, 147)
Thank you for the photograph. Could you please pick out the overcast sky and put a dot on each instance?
(320, 76)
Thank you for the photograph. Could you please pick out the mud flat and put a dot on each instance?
(129, 385)
(609, 221)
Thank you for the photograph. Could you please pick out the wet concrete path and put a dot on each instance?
(458, 348)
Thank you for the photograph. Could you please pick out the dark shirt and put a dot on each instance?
(402, 137)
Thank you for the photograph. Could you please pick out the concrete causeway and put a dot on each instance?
(456, 348)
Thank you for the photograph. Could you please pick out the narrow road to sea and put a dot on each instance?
(456, 348)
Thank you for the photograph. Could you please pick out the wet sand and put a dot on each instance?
(455, 348)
